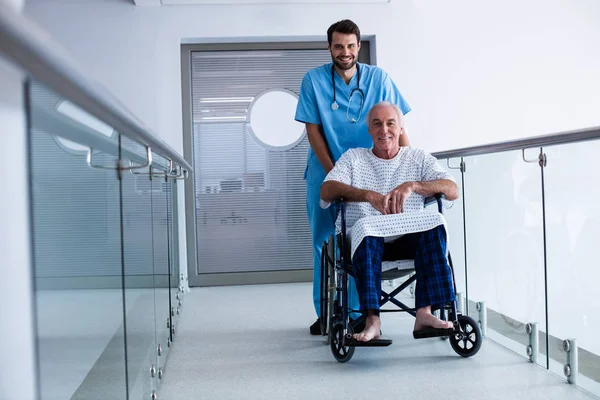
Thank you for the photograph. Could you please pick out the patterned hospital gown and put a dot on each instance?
(362, 169)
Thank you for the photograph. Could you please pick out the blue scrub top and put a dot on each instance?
(314, 106)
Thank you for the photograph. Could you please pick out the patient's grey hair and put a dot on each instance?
(387, 103)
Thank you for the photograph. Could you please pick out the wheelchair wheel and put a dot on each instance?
(341, 353)
(468, 342)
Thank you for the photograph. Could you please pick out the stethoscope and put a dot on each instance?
(357, 89)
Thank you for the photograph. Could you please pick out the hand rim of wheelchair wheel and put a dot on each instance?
(324, 289)
(468, 342)
(330, 300)
(340, 353)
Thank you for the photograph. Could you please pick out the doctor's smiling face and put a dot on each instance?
(344, 50)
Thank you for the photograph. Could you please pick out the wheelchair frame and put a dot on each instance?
(335, 270)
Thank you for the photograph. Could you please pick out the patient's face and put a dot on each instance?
(385, 129)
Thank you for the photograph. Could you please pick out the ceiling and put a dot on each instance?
(181, 2)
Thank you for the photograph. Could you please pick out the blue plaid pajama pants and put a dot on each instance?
(434, 278)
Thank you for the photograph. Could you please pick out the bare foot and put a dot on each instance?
(425, 319)
(371, 330)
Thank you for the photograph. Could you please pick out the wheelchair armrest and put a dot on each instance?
(341, 206)
(344, 250)
(438, 197)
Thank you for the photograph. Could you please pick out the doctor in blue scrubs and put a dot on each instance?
(334, 100)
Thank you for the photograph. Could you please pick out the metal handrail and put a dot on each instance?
(51, 121)
(28, 46)
(519, 144)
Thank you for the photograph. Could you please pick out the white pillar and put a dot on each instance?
(17, 355)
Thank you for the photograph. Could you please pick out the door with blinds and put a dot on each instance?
(247, 209)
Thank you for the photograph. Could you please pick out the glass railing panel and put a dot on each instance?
(139, 282)
(176, 295)
(505, 246)
(454, 218)
(572, 189)
(77, 263)
(160, 249)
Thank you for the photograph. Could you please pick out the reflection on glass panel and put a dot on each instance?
(505, 245)
(77, 268)
(573, 223)
(139, 281)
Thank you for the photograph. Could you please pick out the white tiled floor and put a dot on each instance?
(252, 342)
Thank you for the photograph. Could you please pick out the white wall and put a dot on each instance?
(17, 367)
(474, 72)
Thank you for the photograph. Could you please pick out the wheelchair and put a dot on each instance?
(336, 267)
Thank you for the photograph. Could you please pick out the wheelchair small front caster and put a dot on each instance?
(467, 342)
(341, 353)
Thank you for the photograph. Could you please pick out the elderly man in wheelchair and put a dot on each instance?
(383, 190)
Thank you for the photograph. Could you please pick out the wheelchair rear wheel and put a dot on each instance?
(341, 353)
(468, 342)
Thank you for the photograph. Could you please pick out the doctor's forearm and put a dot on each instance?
(319, 147)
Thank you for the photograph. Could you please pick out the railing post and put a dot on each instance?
(571, 369)
(460, 302)
(533, 349)
(481, 307)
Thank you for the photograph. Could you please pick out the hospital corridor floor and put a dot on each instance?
(252, 342)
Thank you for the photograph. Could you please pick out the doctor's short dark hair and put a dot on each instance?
(344, 26)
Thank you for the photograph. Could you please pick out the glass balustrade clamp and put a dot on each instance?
(152, 172)
(462, 166)
(542, 160)
(118, 165)
(180, 174)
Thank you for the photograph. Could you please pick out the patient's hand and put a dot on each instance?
(380, 202)
(398, 196)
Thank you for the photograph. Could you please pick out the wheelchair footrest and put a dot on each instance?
(371, 343)
(432, 332)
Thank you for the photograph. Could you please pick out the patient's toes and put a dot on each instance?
(426, 320)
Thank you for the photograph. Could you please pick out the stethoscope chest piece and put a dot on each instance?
(334, 106)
